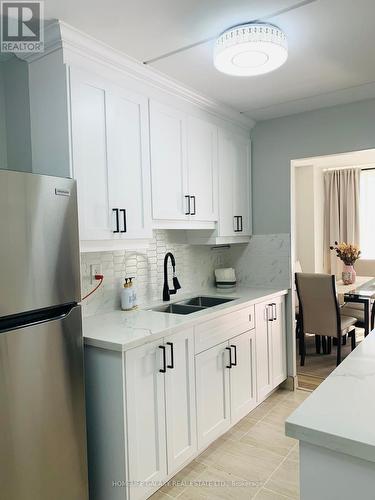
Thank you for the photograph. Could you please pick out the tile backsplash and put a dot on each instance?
(264, 262)
(195, 267)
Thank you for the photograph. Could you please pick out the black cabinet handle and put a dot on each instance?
(117, 230)
(237, 223)
(270, 318)
(274, 310)
(172, 355)
(230, 357)
(187, 197)
(194, 212)
(164, 369)
(235, 355)
(123, 211)
(241, 225)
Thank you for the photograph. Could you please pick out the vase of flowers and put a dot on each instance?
(348, 253)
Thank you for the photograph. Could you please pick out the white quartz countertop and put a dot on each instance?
(340, 413)
(122, 330)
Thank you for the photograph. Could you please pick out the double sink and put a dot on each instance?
(191, 305)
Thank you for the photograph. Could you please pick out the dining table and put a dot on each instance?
(360, 292)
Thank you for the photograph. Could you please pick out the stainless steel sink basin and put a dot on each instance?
(178, 309)
(191, 305)
(205, 301)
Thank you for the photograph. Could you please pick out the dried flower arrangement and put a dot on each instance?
(347, 252)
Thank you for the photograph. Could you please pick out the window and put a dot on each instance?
(367, 214)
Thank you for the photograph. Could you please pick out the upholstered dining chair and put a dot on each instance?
(319, 311)
(357, 311)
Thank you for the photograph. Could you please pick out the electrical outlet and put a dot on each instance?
(94, 270)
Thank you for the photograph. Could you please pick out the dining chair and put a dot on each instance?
(319, 311)
(356, 310)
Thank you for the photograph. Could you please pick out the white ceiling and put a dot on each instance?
(331, 46)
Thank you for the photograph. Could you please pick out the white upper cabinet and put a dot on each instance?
(234, 184)
(110, 153)
(183, 166)
(202, 169)
(128, 162)
(168, 163)
(90, 159)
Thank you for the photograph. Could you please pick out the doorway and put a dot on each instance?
(308, 247)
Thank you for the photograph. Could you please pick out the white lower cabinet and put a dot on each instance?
(153, 408)
(213, 405)
(243, 390)
(226, 386)
(160, 403)
(180, 400)
(146, 430)
(271, 345)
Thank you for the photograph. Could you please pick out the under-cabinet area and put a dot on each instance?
(157, 398)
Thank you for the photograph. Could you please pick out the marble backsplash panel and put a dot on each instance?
(264, 262)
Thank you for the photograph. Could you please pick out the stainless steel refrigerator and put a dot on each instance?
(42, 410)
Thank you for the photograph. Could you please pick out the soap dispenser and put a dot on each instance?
(127, 296)
(134, 293)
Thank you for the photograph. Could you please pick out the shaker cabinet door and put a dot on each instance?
(128, 162)
(89, 154)
(180, 399)
(168, 162)
(145, 403)
(243, 375)
(263, 331)
(279, 368)
(202, 169)
(213, 400)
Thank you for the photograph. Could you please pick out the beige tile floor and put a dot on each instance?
(253, 460)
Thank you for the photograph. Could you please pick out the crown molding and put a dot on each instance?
(59, 35)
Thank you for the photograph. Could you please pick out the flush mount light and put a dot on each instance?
(250, 49)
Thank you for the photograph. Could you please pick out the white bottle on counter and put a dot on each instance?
(127, 296)
(134, 293)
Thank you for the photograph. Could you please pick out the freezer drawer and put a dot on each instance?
(42, 413)
(39, 247)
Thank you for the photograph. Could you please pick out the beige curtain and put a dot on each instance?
(341, 213)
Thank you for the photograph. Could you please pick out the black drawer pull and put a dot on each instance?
(164, 369)
(195, 206)
(230, 357)
(123, 211)
(117, 230)
(235, 355)
(187, 197)
(172, 355)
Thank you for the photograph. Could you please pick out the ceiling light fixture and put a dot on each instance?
(250, 49)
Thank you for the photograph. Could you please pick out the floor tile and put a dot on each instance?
(181, 480)
(269, 437)
(159, 495)
(266, 494)
(279, 413)
(218, 484)
(247, 462)
(285, 480)
(240, 429)
(294, 454)
(253, 459)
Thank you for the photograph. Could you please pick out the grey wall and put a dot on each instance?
(276, 142)
(15, 134)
